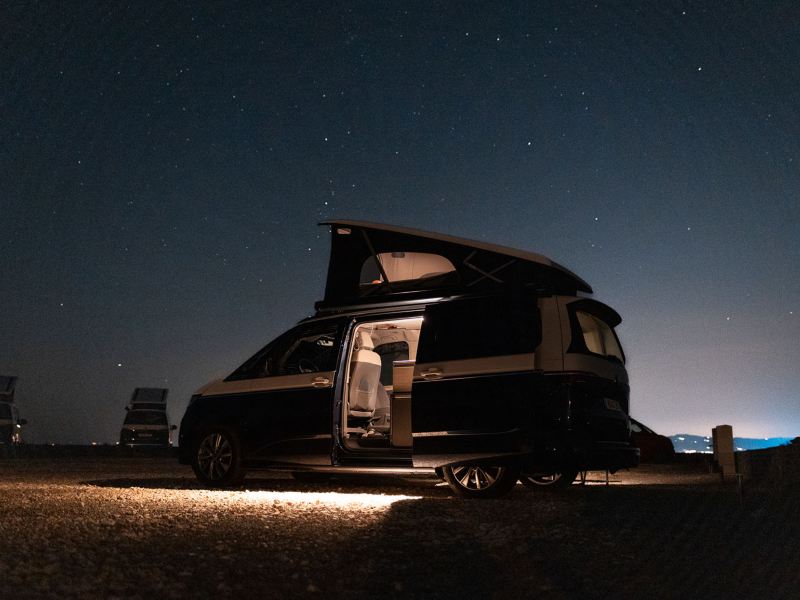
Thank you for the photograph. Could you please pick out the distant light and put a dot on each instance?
(119, 364)
(681, 438)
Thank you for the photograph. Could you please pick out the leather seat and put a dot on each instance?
(365, 373)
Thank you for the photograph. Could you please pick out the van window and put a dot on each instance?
(479, 327)
(404, 266)
(598, 337)
(300, 350)
(146, 417)
(5, 411)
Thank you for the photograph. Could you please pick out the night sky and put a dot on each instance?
(163, 168)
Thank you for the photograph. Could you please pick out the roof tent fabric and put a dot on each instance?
(478, 266)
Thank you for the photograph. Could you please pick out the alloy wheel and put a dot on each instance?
(215, 456)
(477, 478)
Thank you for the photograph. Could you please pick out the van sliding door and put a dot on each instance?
(474, 379)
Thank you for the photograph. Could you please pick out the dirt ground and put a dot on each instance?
(142, 528)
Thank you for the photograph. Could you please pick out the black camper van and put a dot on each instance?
(487, 364)
(10, 422)
(146, 422)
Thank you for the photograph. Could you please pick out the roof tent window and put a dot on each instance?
(403, 266)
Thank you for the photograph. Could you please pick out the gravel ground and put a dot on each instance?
(142, 528)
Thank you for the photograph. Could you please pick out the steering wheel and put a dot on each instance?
(305, 365)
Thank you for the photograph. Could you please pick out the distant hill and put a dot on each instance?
(686, 442)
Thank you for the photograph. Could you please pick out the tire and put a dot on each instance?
(217, 458)
(473, 481)
(549, 481)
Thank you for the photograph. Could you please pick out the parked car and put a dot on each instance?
(428, 352)
(653, 448)
(146, 422)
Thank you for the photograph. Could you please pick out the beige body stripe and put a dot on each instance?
(267, 384)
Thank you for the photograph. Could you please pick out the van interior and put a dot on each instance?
(377, 406)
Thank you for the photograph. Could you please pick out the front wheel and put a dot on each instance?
(472, 481)
(550, 481)
(217, 460)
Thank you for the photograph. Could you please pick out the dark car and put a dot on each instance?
(653, 447)
(428, 353)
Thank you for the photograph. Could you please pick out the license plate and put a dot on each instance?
(612, 404)
(142, 435)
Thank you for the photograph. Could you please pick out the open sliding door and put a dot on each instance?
(474, 379)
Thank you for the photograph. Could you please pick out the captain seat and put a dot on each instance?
(365, 376)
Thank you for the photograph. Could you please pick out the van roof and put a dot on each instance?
(477, 265)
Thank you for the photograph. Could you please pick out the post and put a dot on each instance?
(722, 438)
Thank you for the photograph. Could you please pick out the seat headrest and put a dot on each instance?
(365, 340)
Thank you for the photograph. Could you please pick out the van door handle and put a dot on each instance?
(431, 374)
(320, 382)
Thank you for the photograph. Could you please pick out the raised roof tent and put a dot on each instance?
(371, 262)
(7, 385)
(146, 395)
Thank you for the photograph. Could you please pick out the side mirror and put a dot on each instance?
(127, 408)
(173, 427)
(23, 421)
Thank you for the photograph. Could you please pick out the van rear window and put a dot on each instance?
(146, 417)
(598, 337)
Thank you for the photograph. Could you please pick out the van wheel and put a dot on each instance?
(551, 481)
(471, 481)
(217, 459)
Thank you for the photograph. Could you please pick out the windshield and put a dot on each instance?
(598, 337)
(146, 417)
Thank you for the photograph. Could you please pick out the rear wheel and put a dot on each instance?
(473, 481)
(217, 460)
(552, 481)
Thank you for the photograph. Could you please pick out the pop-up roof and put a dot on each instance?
(7, 385)
(371, 262)
(154, 398)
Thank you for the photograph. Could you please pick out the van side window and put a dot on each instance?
(301, 350)
(310, 354)
(479, 327)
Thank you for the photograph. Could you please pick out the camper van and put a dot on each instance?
(428, 353)
(10, 422)
(146, 422)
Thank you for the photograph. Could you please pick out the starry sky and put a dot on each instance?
(163, 167)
